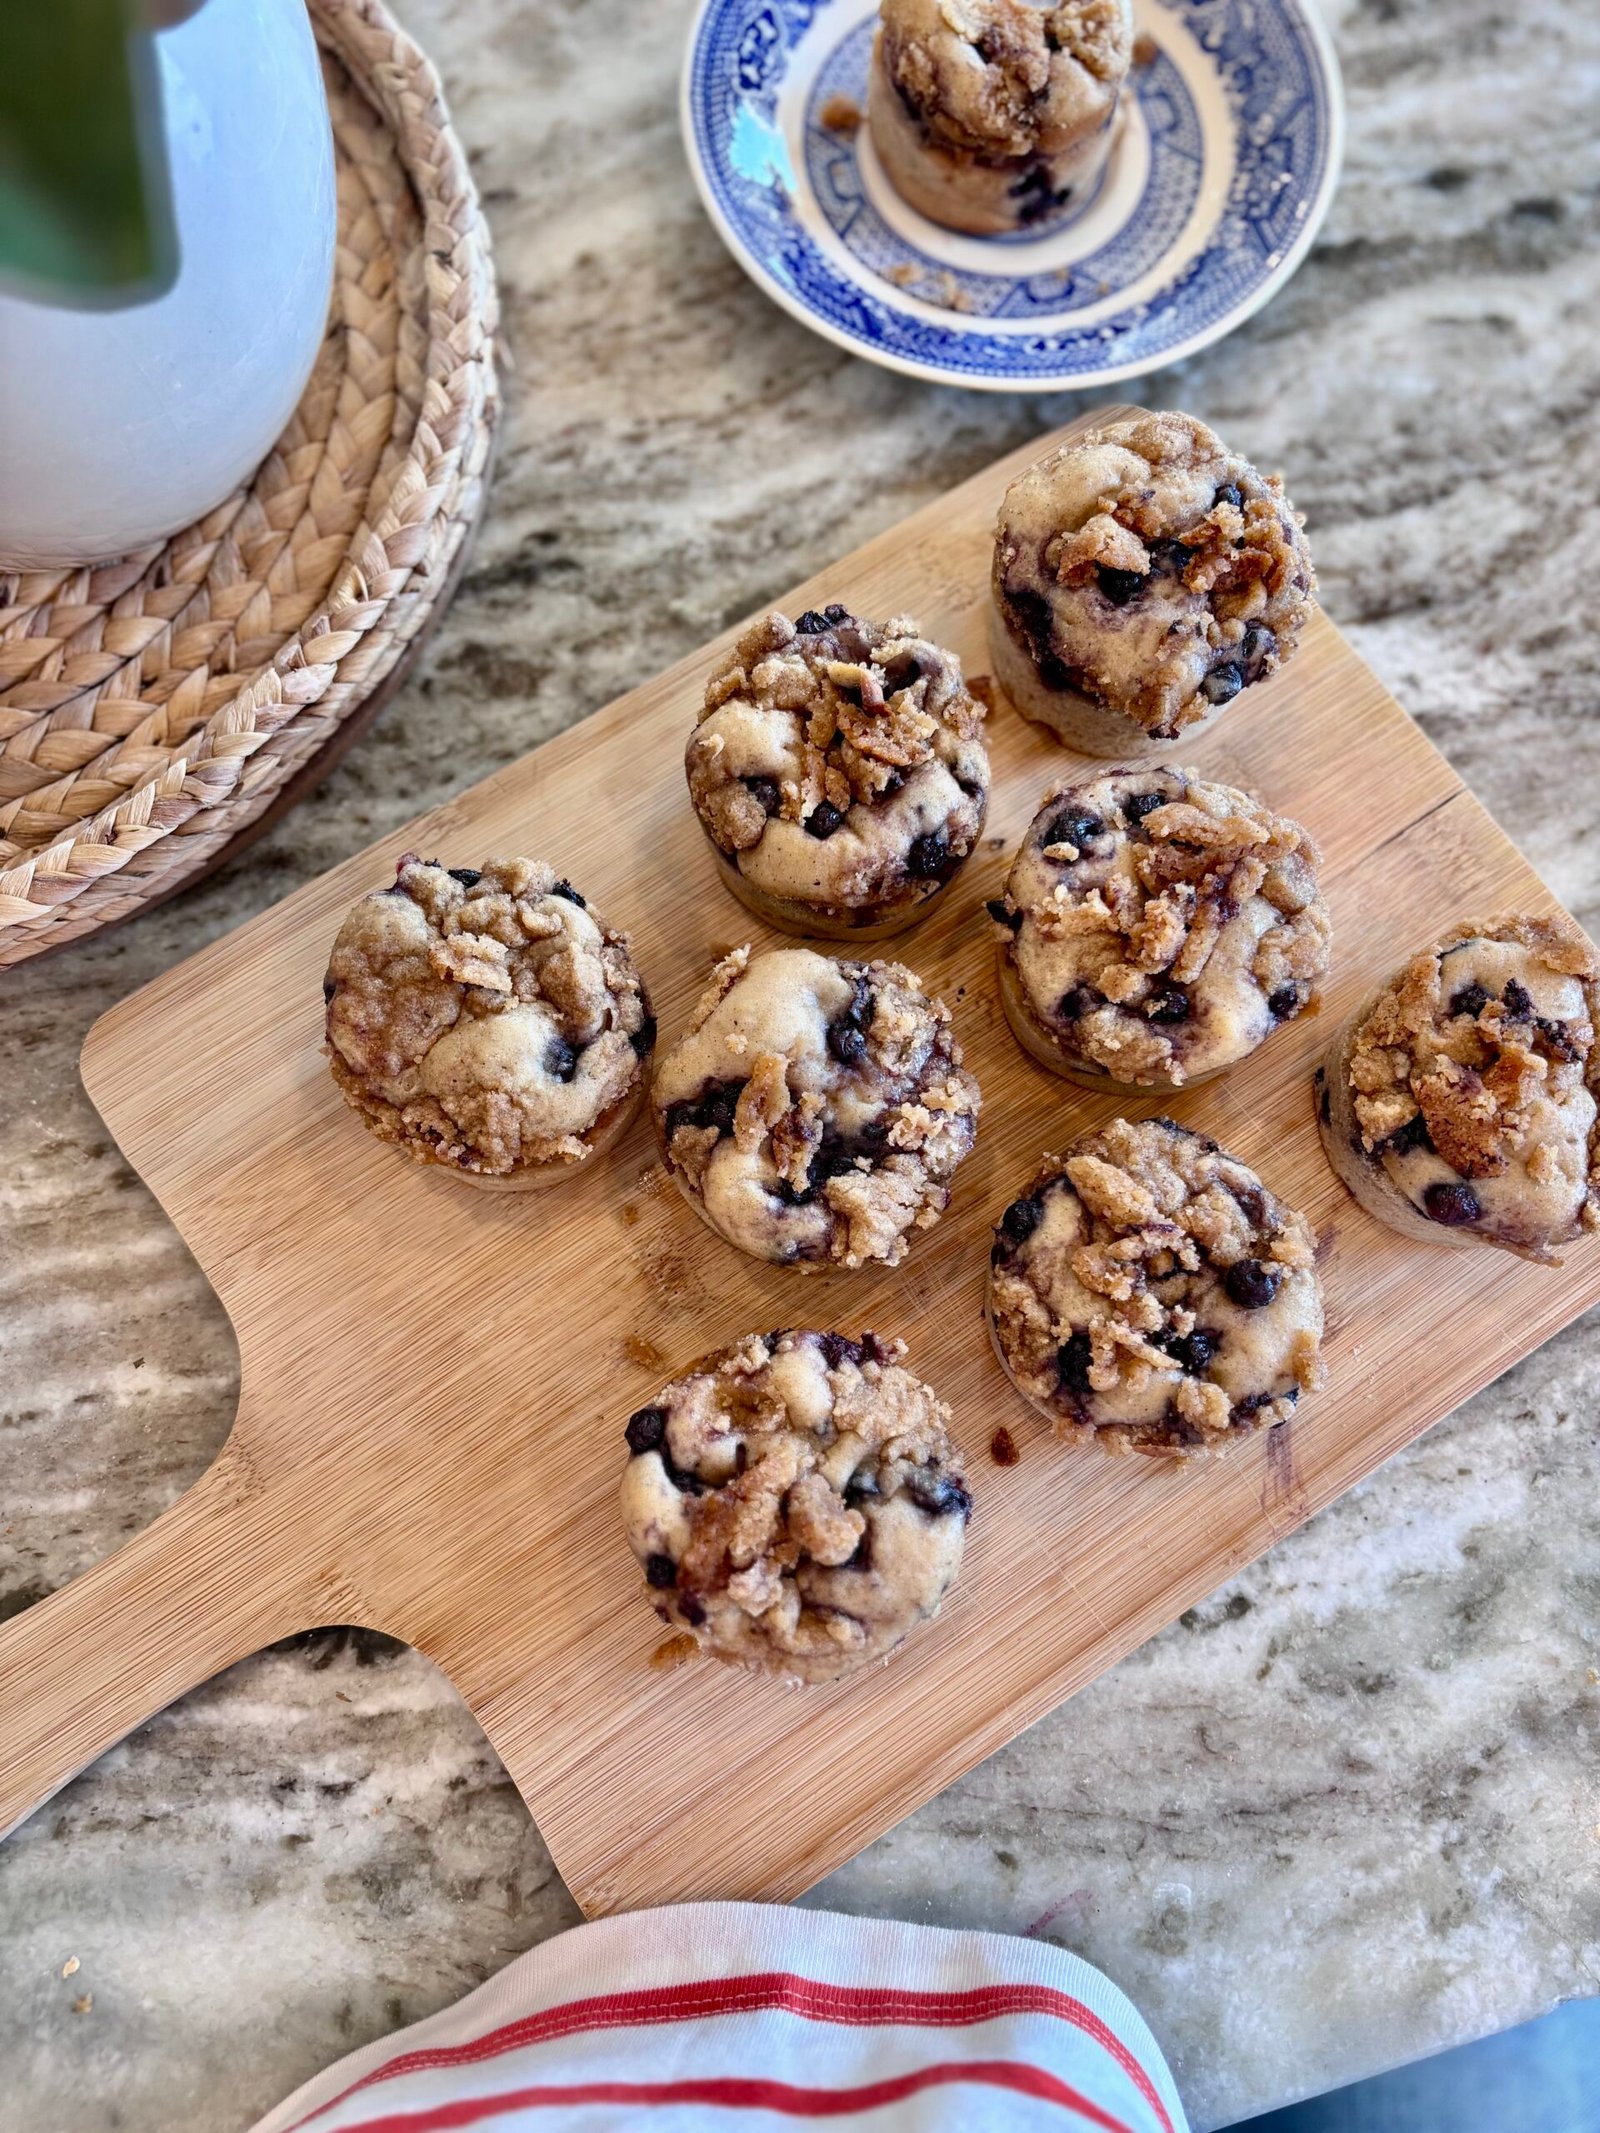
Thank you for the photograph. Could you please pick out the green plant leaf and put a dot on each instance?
(85, 199)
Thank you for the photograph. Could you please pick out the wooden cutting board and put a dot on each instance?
(435, 1380)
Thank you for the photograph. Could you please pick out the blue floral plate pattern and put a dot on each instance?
(1218, 182)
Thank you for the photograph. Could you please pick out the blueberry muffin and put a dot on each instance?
(1156, 928)
(485, 1020)
(1459, 1102)
(839, 771)
(796, 1503)
(1147, 1293)
(1143, 575)
(990, 115)
(815, 1110)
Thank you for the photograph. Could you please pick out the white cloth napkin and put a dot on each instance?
(742, 2018)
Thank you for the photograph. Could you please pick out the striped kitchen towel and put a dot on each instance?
(748, 2017)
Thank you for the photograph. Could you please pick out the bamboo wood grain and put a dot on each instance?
(435, 1380)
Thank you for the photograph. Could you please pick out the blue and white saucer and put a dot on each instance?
(1214, 191)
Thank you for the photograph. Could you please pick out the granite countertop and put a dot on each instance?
(1342, 1814)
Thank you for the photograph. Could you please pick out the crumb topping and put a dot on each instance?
(1148, 568)
(1478, 1063)
(816, 1109)
(796, 1502)
(1150, 1294)
(1003, 80)
(484, 1017)
(840, 762)
(1161, 926)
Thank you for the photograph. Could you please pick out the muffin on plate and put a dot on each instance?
(484, 1020)
(1155, 928)
(1147, 1293)
(1143, 576)
(796, 1503)
(990, 115)
(1459, 1101)
(815, 1110)
(839, 771)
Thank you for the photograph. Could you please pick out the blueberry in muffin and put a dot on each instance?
(992, 116)
(839, 771)
(796, 1503)
(1459, 1102)
(485, 1020)
(815, 1110)
(1155, 928)
(1144, 575)
(1147, 1293)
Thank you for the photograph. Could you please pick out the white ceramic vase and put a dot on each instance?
(119, 427)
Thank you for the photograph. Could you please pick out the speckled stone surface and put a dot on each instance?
(1345, 1812)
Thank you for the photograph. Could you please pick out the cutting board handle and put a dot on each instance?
(206, 1584)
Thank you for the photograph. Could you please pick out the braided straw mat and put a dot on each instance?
(153, 709)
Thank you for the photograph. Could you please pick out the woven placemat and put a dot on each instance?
(154, 709)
